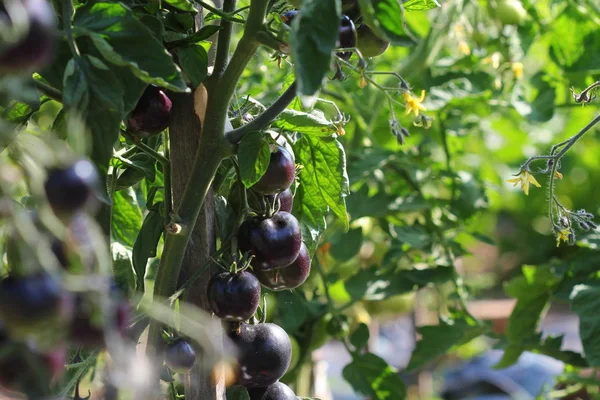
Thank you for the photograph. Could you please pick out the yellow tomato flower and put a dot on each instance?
(558, 175)
(413, 103)
(464, 48)
(563, 235)
(524, 178)
(494, 59)
(517, 69)
(363, 82)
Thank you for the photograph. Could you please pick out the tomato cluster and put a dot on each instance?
(40, 317)
(270, 239)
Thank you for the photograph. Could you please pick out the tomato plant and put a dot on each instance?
(196, 196)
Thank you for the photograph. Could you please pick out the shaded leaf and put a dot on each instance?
(312, 39)
(254, 155)
(585, 302)
(376, 284)
(360, 337)
(146, 244)
(437, 340)
(116, 33)
(126, 217)
(193, 59)
(372, 376)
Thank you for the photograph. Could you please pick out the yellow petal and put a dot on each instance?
(406, 96)
(422, 95)
(514, 180)
(525, 185)
(558, 175)
(531, 178)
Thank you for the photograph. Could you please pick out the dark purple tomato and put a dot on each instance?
(233, 297)
(180, 356)
(347, 38)
(288, 16)
(276, 391)
(274, 242)
(289, 277)
(286, 201)
(72, 188)
(280, 174)
(36, 46)
(260, 203)
(28, 301)
(264, 354)
(152, 114)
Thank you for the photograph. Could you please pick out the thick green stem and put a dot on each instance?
(212, 148)
(224, 40)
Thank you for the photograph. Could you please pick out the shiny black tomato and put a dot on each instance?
(36, 46)
(276, 391)
(264, 354)
(288, 16)
(72, 188)
(152, 114)
(274, 242)
(180, 356)
(289, 277)
(347, 37)
(286, 201)
(280, 173)
(233, 297)
(27, 301)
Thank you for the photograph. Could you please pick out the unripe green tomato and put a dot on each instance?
(369, 44)
(339, 327)
(508, 12)
(295, 353)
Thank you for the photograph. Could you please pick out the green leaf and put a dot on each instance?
(126, 217)
(437, 340)
(18, 112)
(76, 90)
(254, 155)
(237, 392)
(146, 244)
(415, 236)
(313, 38)
(377, 284)
(122, 267)
(420, 5)
(372, 376)
(347, 245)
(182, 5)
(193, 59)
(324, 176)
(532, 291)
(360, 337)
(313, 123)
(385, 17)
(104, 111)
(585, 302)
(117, 34)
